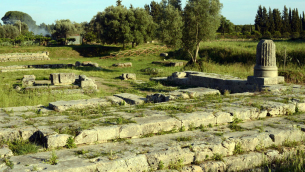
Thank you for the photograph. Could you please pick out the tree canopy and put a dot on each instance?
(201, 20)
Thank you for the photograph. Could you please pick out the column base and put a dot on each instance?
(265, 80)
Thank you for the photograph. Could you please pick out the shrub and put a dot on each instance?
(295, 35)
(286, 35)
(277, 34)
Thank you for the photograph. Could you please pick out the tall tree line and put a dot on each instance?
(276, 21)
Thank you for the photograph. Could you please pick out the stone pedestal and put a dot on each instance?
(265, 70)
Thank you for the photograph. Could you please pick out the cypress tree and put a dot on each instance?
(277, 20)
(176, 4)
(155, 11)
(258, 19)
(295, 21)
(147, 8)
(265, 21)
(286, 25)
(271, 21)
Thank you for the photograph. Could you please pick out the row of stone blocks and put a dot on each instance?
(154, 124)
(24, 56)
(234, 85)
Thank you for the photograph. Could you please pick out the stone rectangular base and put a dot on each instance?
(265, 81)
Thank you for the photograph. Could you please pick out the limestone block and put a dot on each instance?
(132, 163)
(276, 108)
(54, 77)
(88, 84)
(5, 151)
(218, 166)
(107, 133)
(9, 134)
(57, 140)
(26, 132)
(154, 124)
(196, 119)
(66, 78)
(130, 131)
(176, 64)
(246, 161)
(223, 117)
(128, 64)
(265, 80)
(172, 154)
(126, 76)
(205, 151)
(87, 137)
(179, 74)
(131, 98)
(115, 100)
(192, 168)
(28, 80)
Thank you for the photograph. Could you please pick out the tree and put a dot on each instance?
(64, 27)
(259, 19)
(10, 31)
(295, 21)
(118, 3)
(271, 21)
(170, 29)
(176, 4)
(286, 25)
(155, 11)
(22, 27)
(115, 25)
(11, 17)
(141, 23)
(147, 8)
(201, 20)
(277, 20)
(225, 26)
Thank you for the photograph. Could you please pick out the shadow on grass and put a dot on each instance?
(88, 51)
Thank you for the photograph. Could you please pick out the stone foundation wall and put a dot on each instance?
(24, 56)
(214, 81)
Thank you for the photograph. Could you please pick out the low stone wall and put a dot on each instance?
(24, 56)
(214, 81)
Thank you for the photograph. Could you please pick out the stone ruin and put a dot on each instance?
(63, 79)
(265, 70)
(127, 64)
(24, 56)
(265, 74)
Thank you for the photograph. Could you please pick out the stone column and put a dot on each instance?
(265, 70)
(265, 60)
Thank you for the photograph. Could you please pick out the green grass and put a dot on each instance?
(22, 147)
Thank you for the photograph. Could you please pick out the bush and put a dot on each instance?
(277, 34)
(295, 35)
(257, 34)
(267, 35)
(302, 35)
(286, 35)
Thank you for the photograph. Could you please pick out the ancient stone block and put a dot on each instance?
(28, 80)
(126, 76)
(62, 78)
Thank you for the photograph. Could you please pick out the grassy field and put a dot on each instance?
(231, 58)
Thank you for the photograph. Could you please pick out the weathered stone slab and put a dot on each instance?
(5, 151)
(199, 91)
(126, 76)
(133, 163)
(196, 119)
(57, 140)
(128, 64)
(62, 78)
(78, 104)
(115, 100)
(171, 154)
(131, 98)
(28, 80)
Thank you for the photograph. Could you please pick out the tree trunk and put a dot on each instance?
(123, 45)
(132, 44)
(196, 53)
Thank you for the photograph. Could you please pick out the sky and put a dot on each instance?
(239, 12)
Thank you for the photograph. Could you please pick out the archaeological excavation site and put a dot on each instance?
(147, 112)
